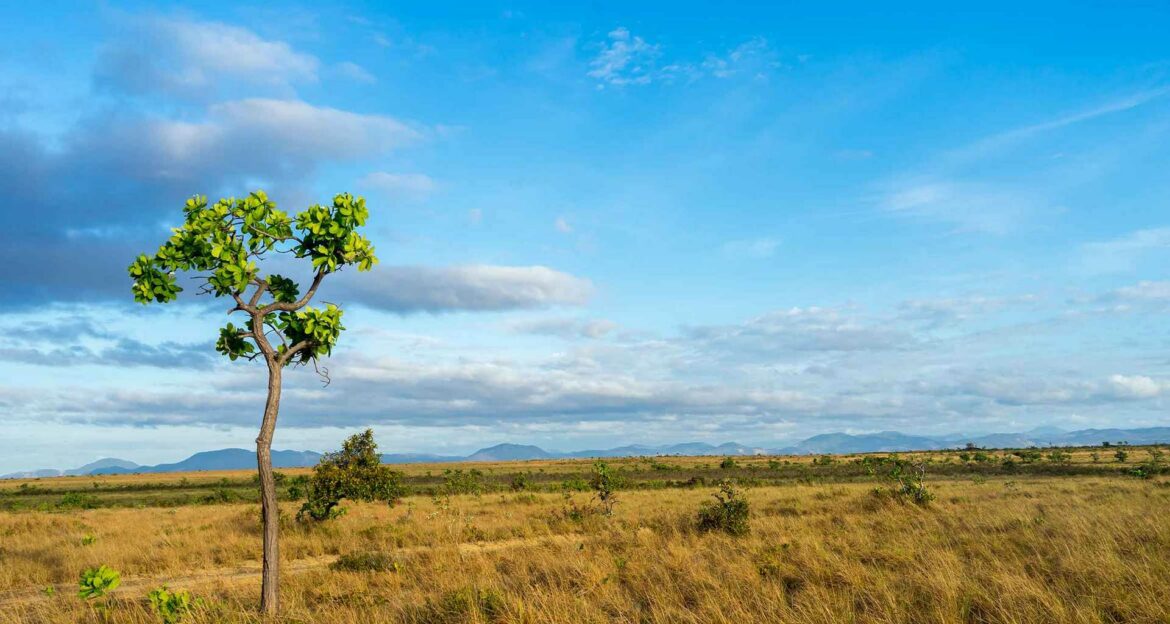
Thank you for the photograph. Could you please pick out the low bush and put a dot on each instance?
(171, 607)
(356, 473)
(367, 562)
(729, 512)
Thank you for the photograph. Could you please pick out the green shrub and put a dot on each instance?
(170, 607)
(462, 482)
(355, 473)
(729, 512)
(367, 562)
(1121, 456)
(77, 500)
(728, 463)
(605, 483)
(905, 480)
(220, 495)
(521, 482)
(98, 582)
(576, 484)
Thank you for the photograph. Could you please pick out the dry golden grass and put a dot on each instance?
(1028, 549)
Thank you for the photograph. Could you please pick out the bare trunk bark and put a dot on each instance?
(269, 594)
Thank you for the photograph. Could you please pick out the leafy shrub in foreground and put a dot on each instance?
(98, 582)
(170, 607)
(355, 472)
(728, 514)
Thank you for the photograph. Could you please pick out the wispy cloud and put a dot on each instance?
(1123, 253)
(407, 290)
(356, 72)
(952, 189)
(627, 59)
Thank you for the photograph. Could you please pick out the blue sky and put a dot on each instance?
(597, 226)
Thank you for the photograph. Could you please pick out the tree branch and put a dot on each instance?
(261, 286)
(300, 303)
(293, 350)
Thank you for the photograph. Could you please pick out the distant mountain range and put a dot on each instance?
(830, 443)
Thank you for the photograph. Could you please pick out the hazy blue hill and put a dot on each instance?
(843, 443)
(510, 452)
(107, 462)
(867, 443)
(223, 459)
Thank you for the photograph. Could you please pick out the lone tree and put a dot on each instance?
(222, 244)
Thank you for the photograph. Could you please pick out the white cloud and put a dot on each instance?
(197, 59)
(1123, 253)
(400, 185)
(624, 59)
(562, 225)
(481, 287)
(356, 72)
(1137, 386)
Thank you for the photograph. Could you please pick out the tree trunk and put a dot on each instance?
(269, 594)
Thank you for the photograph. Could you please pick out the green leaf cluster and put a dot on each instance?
(171, 607)
(330, 239)
(319, 328)
(355, 473)
(234, 343)
(97, 582)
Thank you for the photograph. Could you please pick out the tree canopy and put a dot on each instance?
(225, 240)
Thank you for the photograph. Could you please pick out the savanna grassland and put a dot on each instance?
(1077, 535)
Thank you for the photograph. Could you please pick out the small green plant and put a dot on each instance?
(88, 539)
(728, 463)
(98, 582)
(729, 512)
(605, 482)
(1121, 456)
(49, 591)
(1058, 456)
(171, 607)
